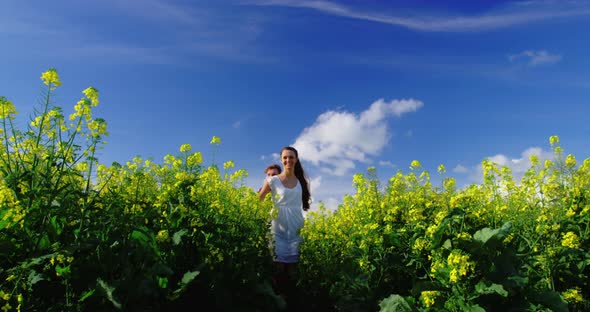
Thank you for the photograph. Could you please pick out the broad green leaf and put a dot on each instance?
(447, 244)
(485, 234)
(189, 277)
(549, 299)
(177, 237)
(483, 289)
(33, 278)
(394, 303)
(476, 308)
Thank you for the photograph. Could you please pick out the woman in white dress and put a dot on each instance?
(290, 194)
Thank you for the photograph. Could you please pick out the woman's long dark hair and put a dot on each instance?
(300, 174)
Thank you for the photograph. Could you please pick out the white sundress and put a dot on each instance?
(289, 221)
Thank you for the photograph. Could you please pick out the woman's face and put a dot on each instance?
(288, 159)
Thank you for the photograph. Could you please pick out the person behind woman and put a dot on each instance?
(291, 196)
(272, 170)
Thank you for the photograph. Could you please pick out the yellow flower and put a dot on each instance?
(228, 164)
(553, 140)
(215, 140)
(51, 78)
(570, 240)
(534, 159)
(570, 161)
(194, 159)
(441, 169)
(573, 295)
(6, 108)
(6, 307)
(185, 148)
(415, 165)
(428, 297)
(454, 276)
(4, 296)
(163, 236)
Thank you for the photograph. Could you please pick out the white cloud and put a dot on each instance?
(315, 183)
(518, 166)
(386, 163)
(329, 190)
(331, 203)
(535, 58)
(509, 16)
(236, 124)
(460, 169)
(271, 157)
(338, 139)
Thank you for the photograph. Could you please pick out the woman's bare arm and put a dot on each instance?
(264, 190)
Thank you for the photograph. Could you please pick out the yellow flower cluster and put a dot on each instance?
(570, 161)
(459, 264)
(573, 295)
(10, 207)
(61, 259)
(51, 78)
(163, 236)
(570, 240)
(429, 297)
(7, 109)
(215, 140)
(185, 148)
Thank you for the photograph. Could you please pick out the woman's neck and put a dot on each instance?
(289, 173)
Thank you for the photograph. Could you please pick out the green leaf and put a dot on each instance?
(140, 237)
(108, 290)
(44, 243)
(395, 303)
(476, 308)
(86, 294)
(57, 227)
(483, 289)
(447, 244)
(549, 299)
(187, 278)
(62, 270)
(486, 234)
(33, 278)
(177, 237)
(163, 282)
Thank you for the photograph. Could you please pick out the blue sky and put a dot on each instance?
(351, 84)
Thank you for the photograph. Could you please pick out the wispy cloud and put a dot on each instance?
(518, 165)
(509, 16)
(338, 139)
(535, 58)
(460, 169)
(386, 163)
(180, 33)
